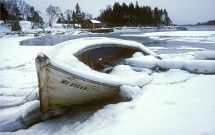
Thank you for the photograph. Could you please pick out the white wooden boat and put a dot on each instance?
(73, 72)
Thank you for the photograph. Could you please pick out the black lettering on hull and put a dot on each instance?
(78, 86)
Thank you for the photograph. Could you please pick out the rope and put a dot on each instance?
(36, 96)
(29, 95)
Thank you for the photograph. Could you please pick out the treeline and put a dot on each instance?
(211, 22)
(130, 15)
(13, 11)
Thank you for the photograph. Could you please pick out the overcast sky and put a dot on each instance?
(180, 11)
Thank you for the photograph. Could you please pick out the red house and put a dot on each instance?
(91, 24)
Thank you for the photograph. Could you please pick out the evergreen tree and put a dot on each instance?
(4, 15)
(131, 12)
(167, 20)
(106, 16)
(125, 17)
(15, 19)
(13, 16)
(78, 15)
(35, 19)
(117, 14)
(156, 17)
(73, 16)
(61, 18)
(149, 19)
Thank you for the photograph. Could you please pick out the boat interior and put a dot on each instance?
(103, 58)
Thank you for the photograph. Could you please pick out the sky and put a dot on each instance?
(180, 11)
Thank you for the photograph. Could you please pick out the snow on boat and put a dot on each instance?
(84, 72)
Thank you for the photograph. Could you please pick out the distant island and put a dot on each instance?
(211, 22)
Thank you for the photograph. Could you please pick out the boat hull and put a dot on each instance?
(60, 89)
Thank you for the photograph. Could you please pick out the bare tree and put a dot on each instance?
(87, 16)
(68, 18)
(10, 6)
(53, 13)
(68, 15)
(24, 9)
(14, 14)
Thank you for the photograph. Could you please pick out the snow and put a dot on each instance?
(205, 55)
(17, 117)
(3, 28)
(95, 21)
(17, 79)
(25, 25)
(142, 61)
(194, 66)
(27, 31)
(174, 102)
(129, 92)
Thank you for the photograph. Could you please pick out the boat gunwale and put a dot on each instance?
(107, 45)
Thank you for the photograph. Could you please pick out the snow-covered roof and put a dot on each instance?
(95, 21)
(62, 56)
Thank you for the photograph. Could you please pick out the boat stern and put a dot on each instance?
(41, 62)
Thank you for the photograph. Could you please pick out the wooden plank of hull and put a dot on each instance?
(41, 63)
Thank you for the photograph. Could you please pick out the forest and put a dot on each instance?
(134, 15)
(210, 22)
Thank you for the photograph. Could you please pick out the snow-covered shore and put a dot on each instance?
(175, 102)
(61, 29)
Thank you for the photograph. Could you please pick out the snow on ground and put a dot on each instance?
(27, 31)
(205, 55)
(3, 28)
(175, 102)
(17, 79)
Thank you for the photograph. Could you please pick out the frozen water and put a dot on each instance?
(205, 55)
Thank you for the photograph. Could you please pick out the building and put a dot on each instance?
(91, 24)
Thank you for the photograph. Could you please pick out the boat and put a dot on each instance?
(77, 72)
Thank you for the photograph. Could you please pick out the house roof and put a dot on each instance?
(95, 21)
